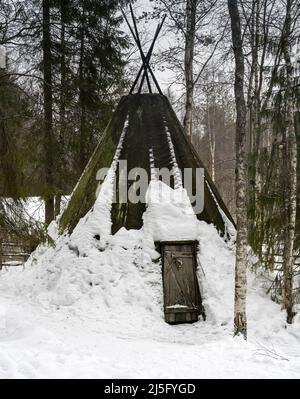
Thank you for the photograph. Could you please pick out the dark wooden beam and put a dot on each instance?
(149, 55)
(146, 59)
(138, 42)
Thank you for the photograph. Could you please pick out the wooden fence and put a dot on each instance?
(13, 254)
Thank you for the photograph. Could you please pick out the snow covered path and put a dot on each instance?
(36, 342)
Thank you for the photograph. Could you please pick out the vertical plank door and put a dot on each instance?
(182, 299)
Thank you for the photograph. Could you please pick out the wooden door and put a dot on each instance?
(182, 299)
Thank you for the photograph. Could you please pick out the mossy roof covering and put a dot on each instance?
(147, 114)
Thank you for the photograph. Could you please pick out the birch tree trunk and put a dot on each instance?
(240, 320)
(290, 148)
(48, 113)
(191, 8)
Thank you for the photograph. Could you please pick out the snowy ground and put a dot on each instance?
(99, 314)
(89, 308)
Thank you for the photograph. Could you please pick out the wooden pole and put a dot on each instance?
(148, 57)
(146, 67)
(138, 42)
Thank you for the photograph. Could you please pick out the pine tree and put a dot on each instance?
(74, 52)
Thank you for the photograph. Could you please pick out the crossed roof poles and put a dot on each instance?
(145, 68)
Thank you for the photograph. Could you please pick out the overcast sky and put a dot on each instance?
(147, 33)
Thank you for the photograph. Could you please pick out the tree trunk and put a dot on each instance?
(7, 161)
(191, 8)
(57, 205)
(254, 121)
(240, 320)
(48, 103)
(82, 128)
(62, 106)
(290, 148)
(211, 137)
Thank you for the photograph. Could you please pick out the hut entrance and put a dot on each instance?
(182, 298)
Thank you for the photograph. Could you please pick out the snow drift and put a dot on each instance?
(89, 308)
(92, 305)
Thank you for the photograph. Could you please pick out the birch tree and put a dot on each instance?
(240, 320)
(193, 45)
(290, 152)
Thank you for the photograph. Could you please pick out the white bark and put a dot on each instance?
(240, 320)
(290, 146)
